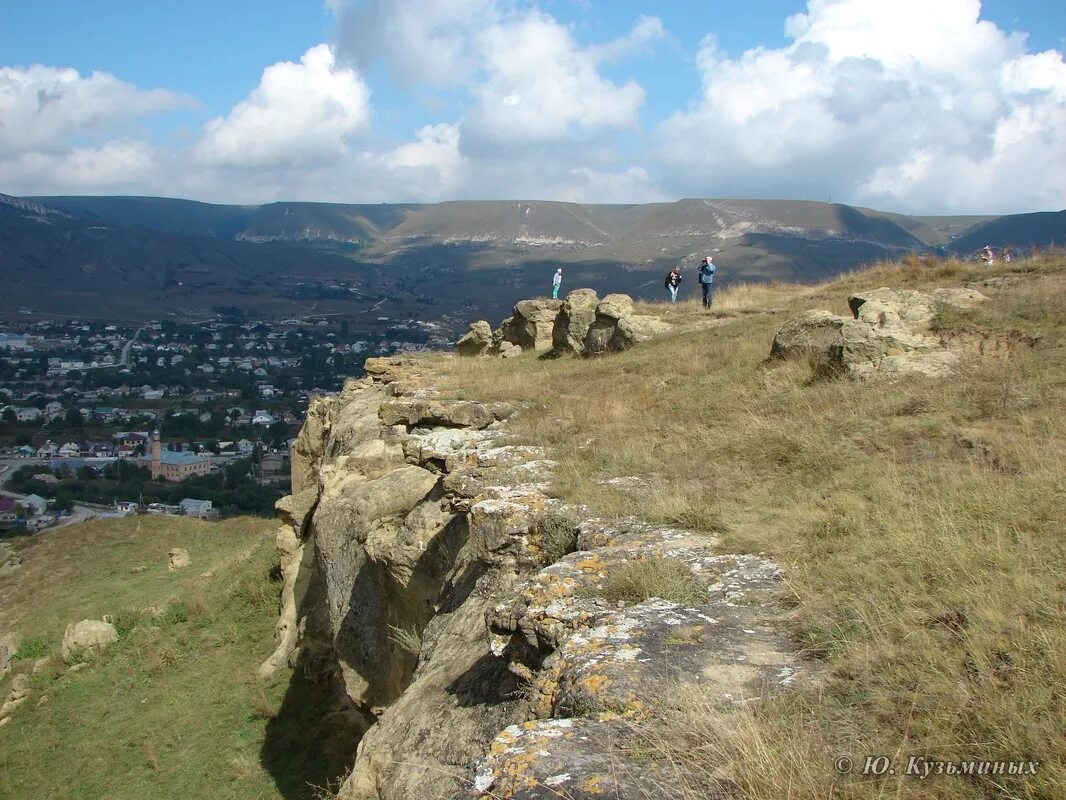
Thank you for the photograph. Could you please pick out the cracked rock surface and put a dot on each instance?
(421, 581)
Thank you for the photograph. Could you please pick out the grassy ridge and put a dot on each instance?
(174, 708)
(920, 522)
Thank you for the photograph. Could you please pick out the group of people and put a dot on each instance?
(706, 278)
(673, 281)
(988, 255)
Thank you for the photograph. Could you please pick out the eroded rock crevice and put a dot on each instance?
(424, 585)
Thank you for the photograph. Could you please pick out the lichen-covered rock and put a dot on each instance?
(572, 325)
(477, 340)
(88, 637)
(415, 584)
(577, 759)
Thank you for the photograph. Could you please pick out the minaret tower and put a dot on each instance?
(157, 455)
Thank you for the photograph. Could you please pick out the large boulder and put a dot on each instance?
(637, 329)
(574, 320)
(888, 336)
(90, 636)
(907, 308)
(531, 325)
(178, 558)
(615, 306)
(477, 341)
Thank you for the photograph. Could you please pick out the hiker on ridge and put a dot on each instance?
(707, 270)
(987, 256)
(673, 281)
(557, 281)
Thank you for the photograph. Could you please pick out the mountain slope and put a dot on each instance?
(1018, 230)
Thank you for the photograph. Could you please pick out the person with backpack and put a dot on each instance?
(673, 281)
(707, 270)
(557, 282)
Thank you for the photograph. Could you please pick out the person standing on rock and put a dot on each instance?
(557, 282)
(673, 281)
(707, 270)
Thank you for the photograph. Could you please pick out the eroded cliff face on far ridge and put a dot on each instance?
(424, 578)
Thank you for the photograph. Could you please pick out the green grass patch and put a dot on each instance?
(33, 647)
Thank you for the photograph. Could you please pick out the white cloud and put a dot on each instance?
(431, 166)
(42, 107)
(541, 85)
(300, 114)
(423, 41)
(523, 75)
(119, 165)
(912, 105)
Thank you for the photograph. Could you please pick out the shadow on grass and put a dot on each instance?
(310, 743)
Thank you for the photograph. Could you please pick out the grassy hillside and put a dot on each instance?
(919, 522)
(174, 709)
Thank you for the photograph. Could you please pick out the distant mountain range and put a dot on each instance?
(143, 257)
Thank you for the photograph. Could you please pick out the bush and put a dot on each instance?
(34, 647)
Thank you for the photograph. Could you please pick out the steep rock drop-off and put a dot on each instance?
(425, 580)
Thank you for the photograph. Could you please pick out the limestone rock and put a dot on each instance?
(508, 350)
(178, 559)
(90, 636)
(477, 341)
(615, 306)
(573, 321)
(888, 336)
(20, 687)
(911, 309)
(20, 691)
(531, 325)
(306, 453)
(634, 330)
(447, 413)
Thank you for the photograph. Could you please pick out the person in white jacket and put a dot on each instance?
(557, 282)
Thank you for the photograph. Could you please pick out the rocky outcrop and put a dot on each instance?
(477, 341)
(178, 558)
(87, 638)
(580, 325)
(889, 334)
(428, 577)
(18, 694)
(530, 326)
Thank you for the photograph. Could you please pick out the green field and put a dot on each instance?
(174, 709)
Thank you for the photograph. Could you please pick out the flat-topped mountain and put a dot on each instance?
(460, 259)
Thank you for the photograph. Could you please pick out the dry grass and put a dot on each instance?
(920, 521)
(645, 578)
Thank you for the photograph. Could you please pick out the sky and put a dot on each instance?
(915, 106)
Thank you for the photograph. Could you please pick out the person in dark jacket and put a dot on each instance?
(707, 270)
(673, 281)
